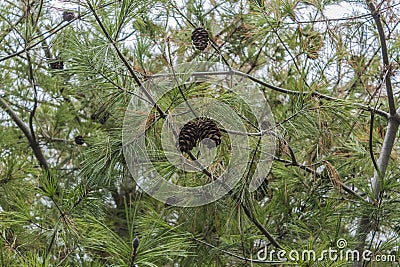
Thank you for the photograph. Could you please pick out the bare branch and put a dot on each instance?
(371, 153)
(364, 226)
(385, 57)
(25, 129)
(35, 100)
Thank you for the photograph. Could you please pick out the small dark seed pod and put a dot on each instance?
(104, 118)
(68, 15)
(100, 116)
(94, 116)
(135, 243)
(57, 65)
(79, 140)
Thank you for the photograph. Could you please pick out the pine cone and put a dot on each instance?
(197, 130)
(188, 136)
(208, 129)
(68, 15)
(200, 38)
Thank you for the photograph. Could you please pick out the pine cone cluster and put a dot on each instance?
(200, 38)
(197, 130)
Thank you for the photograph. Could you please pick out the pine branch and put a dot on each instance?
(60, 26)
(30, 46)
(315, 94)
(170, 62)
(10, 245)
(275, 31)
(33, 144)
(313, 172)
(125, 61)
(161, 112)
(35, 98)
(349, 18)
(365, 226)
(11, 28)
(249, 213)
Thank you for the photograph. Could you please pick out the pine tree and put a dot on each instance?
(69, 73)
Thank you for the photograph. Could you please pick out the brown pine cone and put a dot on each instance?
(208, 129)
(200, 38)
(188, 136)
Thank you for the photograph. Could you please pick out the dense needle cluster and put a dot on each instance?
(197, 130)
(100, 116)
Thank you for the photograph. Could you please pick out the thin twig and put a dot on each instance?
(11, 28)
(125, 61)
(176, 79)
(370, 144)
(312, 171)
(133, 256)
(287, 91)
(11, 246)
(25, 129)
(29, 47)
